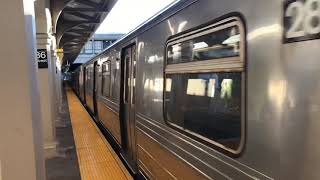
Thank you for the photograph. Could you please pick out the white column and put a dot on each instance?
(21, 149)
(53, 61)
(57, 80)
(45, 75)
(58, 84)
(46, 83)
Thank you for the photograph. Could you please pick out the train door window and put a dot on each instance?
(115, 78)
(90, 77)
(127, 82)
(106, 79)
(204, 87)
(134, 66)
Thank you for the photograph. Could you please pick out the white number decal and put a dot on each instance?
(295, 10)
(312, 18)
(41, 55)
(305, 18)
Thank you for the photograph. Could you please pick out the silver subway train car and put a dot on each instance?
(211, 89)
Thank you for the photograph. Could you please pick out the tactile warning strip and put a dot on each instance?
(97, 160)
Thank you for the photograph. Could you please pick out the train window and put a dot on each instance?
(204, 85)
(106, 79)
(215, 45)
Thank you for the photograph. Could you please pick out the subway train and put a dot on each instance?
(211, 89)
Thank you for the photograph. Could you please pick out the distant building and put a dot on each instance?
(95, 45)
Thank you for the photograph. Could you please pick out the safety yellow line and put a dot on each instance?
(96, 158)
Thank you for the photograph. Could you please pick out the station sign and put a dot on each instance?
(42, 57)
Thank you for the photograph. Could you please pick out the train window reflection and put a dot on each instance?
(154, 84)
(207, 104)
(168, 84)
(211, 88)
(201, 87)
(196, 87)
(226, 88)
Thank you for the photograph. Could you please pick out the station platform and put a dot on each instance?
(96, 158)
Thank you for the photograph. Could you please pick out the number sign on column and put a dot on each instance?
(42, 58)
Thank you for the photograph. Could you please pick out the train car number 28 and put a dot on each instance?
(301, 20)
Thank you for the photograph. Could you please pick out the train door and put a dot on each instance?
(84, 80)
(127, 106)
(95, 87)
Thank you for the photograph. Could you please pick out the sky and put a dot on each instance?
(126, 15)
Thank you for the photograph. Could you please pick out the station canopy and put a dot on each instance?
(75, 21)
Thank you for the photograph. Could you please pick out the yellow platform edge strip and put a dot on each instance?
(97, 160)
